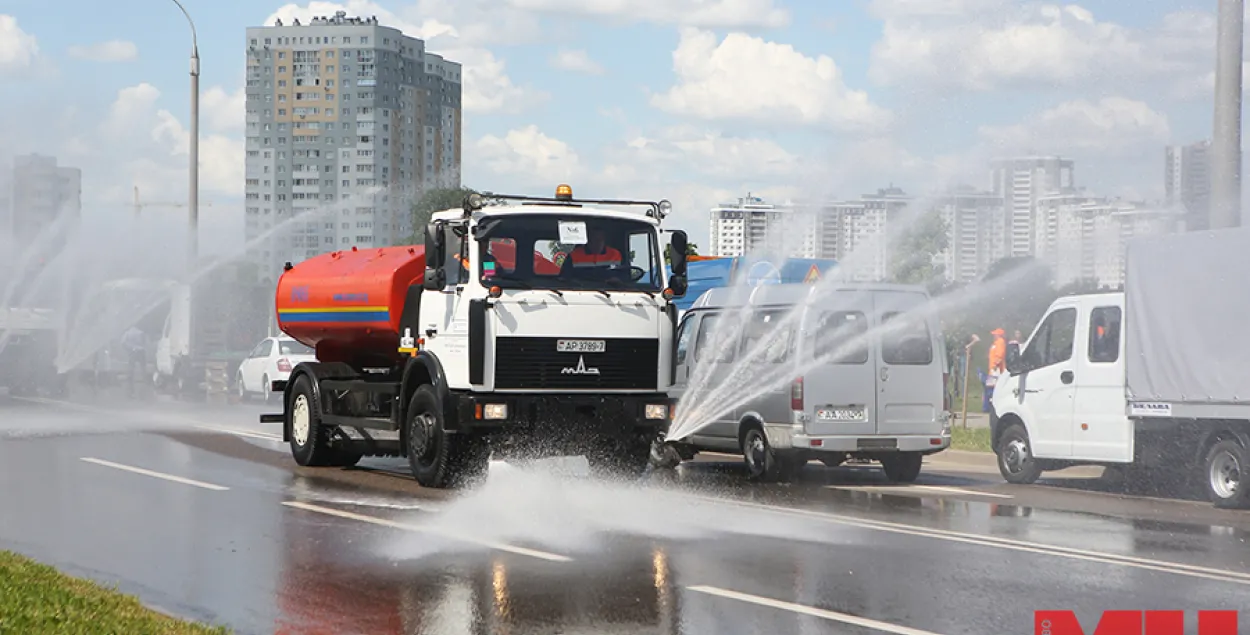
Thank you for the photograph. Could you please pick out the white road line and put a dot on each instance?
(917, 488)
(161, 475)
(1219, 575)
(810, 610)
(533, 553)
(267, 436)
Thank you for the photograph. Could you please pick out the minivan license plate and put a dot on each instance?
(581, 346)
(840, 414)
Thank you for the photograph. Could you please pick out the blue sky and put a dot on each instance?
(697, 101)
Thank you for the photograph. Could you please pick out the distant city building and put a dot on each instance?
(977, 226)
(1083, 238)
(1022, 181)
(1187, 182)
(39, 192)
(856, 233)
(348, 117)
(751, 226)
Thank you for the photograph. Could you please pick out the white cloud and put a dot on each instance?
(726, 14)
(710, 154)
(487, 86)
(1113, 126)
(223, 111)
(110, 51)
(529, 154)
(577, 61)
(18, 49)
(747, 78)
(984, 45)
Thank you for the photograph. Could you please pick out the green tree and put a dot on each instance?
(435, 200)
(915, 257)
(692, 249)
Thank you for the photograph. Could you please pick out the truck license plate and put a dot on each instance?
(581, 346)
(840, 414)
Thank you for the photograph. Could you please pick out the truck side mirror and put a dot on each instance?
(679, 285)
(677, 254)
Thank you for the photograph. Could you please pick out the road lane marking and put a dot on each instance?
(329, 511)
(161, 475)
(810, 610)
(1219, 575)
(918, 488)
(267, 436)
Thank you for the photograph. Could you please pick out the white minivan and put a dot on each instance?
(846, 371)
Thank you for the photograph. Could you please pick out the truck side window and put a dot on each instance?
(910, 344)
(1054, 340)
(839, 338)
(763, 330)
(453, 267)
(1104, 335)
(684, 333)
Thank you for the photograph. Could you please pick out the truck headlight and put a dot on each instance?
(657, 411)
(495, 411)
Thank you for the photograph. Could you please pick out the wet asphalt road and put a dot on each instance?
(205, 515)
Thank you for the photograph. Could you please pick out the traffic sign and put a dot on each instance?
(813, 275)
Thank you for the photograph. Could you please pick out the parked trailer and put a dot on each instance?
(1150, 381)
(448, 352)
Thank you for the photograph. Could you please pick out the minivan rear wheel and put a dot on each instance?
(763, 463)
(902, 468)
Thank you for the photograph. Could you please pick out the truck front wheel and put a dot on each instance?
(439, 459)
(310, 444)
(1015, 457)
(1225, 464)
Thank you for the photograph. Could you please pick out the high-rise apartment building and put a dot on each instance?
(1083, 238)
(40, 191)
(977, 225)
(348, 122)
(1187, 182)
(858, 233)
(1021, 181)
(751, 226)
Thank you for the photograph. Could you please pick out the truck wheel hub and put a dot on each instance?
(422, 433)
(1225, 475)
(300, 420)
(1015, 455)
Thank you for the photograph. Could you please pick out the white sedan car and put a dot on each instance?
(271, 360)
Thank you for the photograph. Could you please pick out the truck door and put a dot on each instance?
(1100, 429)
(909, 377)
(1046, 392)
(444, 325)
(839, 391)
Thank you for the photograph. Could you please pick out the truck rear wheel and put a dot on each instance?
(439, 459)
(1225, 465)
(310, 442)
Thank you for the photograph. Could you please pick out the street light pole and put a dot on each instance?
(193, 202)
(1226, 136)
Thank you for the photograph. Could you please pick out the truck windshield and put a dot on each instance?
(571, 252)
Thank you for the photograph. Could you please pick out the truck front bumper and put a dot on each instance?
(485, 412)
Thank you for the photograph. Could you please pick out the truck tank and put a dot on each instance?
(348, 304)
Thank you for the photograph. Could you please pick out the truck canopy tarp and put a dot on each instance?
(1186, 306)
(723, 272)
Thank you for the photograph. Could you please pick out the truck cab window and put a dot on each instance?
(1054, 340)
(908, 344)
(642, 250)
(456, 264)
(840, 338)
(765, 331)
(1104, 335)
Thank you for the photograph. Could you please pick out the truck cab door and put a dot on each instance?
(1046, 390)
(444, 322)
(1101, 431)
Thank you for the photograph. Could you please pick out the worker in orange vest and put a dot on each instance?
(596, 252)
(998, 352)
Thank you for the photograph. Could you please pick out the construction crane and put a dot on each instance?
(139, 205)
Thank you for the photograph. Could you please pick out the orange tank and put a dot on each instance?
(348, 304)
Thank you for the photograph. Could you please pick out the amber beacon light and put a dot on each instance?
(564, 193)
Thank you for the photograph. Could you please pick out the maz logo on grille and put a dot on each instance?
(580, 369)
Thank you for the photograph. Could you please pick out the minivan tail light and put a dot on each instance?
(796, 394)
(284, 365)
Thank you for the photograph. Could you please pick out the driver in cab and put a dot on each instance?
(595, 255)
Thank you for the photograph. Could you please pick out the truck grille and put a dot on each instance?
(533, 363)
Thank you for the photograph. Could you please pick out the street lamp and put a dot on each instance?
(193, 203)
(1226, 137)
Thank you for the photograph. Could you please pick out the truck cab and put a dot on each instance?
(1062, 400)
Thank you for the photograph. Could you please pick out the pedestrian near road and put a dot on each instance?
(136, 357)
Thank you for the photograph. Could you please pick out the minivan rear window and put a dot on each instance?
(763, 331)
(840, 338)
(907, 344)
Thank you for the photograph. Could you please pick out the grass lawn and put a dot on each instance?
(36, 598)
(971, 439)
